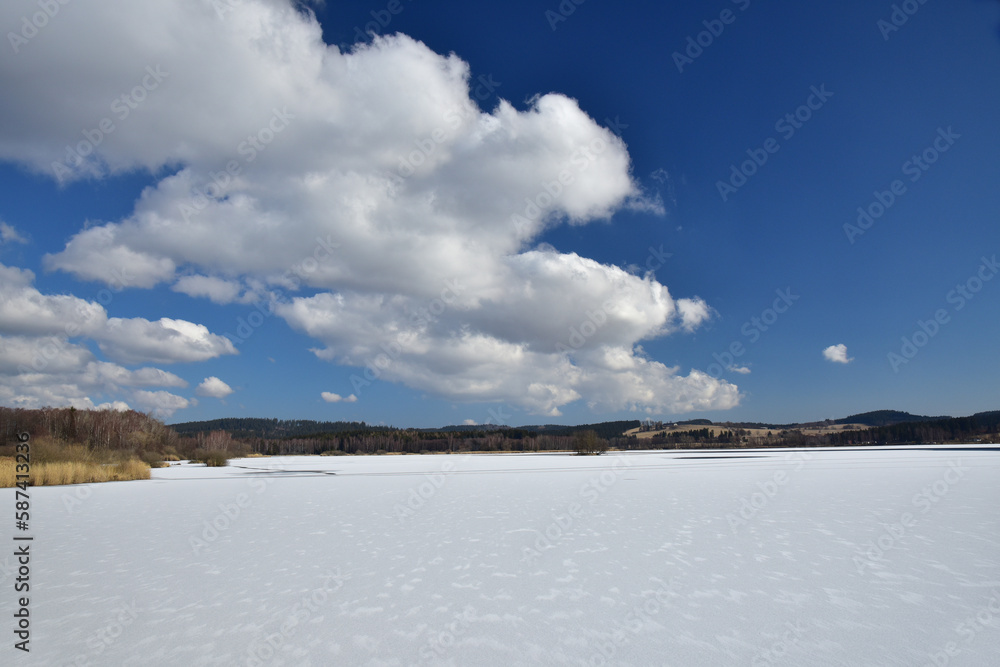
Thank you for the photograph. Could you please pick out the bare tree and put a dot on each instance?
(588, 442)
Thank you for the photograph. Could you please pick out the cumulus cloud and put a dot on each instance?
(369, 177)
(528, 348)
(162, 404)
(117, 406)
(742, 370)
(166, 341)
(40, 371)
(90, 252)
(837, 354)
(44, 358)
(213, 387)
(693, 312)
(10, 235)
(214, 289)
(26, 311)
(330, 397)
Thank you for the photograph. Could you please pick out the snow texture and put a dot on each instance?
(887, 556)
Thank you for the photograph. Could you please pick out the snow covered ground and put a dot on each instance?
(816, 557)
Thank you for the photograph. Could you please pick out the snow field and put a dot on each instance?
(819, 557)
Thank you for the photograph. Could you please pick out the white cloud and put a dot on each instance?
(469, 422)
(539, 348)
(10, 235)
(44, 358)
(162, 404)
(26, 311)
(216, 290)
(38, 396)
(693, 313)
(742, 370)
(376, 181)
(837, 354)
(166, 341)
(89, 254)
(49, 353)
(213, 387)
(57, 357)
(330, 397)
(52, 371)
(114, 375)
(117, 406)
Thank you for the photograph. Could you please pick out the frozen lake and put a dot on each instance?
(885, 556)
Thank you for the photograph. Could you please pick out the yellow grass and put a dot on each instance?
(74, 472)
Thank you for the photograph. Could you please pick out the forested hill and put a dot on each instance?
(247, 427)
(307, 436)
(605, 430)
(885, 418)
(947, 429)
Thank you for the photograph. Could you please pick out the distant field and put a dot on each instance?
(753, 432)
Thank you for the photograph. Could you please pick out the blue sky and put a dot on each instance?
(385, 171)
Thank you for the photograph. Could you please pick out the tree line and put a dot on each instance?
(97, 429)
(250, 427)
(150, 439)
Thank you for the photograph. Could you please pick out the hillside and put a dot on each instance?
(247, 427)
(271, 429)
(273, 436)
(983, 426)
(886, 418)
